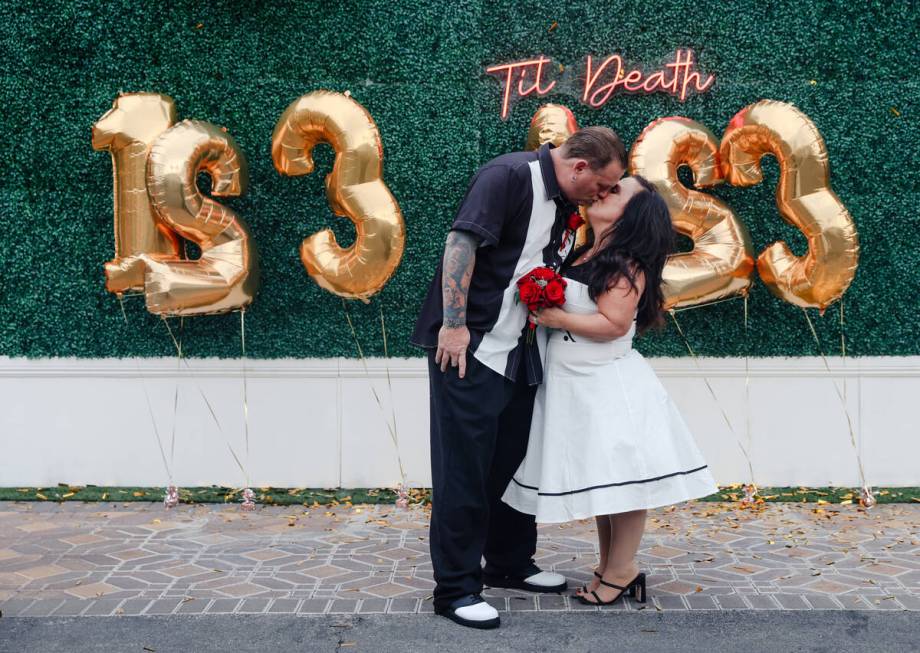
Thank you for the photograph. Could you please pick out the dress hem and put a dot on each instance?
(554, 509)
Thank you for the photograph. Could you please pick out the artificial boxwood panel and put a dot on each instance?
(418, 68)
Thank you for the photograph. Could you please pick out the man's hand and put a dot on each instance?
(452, 345)
(454, 336)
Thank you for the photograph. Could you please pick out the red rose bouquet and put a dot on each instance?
(540, 288)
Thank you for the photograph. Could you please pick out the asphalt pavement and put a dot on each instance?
(709, 631)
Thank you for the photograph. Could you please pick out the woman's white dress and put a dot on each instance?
(605, 437)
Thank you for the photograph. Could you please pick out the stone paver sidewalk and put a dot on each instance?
(133, 559)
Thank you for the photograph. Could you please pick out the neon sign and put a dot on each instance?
(602, 80)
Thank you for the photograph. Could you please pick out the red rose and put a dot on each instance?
(542, 274)
(555, 292)
(575, 221)
(529, 291)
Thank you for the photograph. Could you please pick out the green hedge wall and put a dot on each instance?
(418, 68)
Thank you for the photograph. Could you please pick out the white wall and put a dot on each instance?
(316, 423)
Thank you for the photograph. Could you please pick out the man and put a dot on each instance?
(512, 220)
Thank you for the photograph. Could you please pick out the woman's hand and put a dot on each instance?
(553, 318)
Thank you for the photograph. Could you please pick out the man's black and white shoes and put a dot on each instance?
(530, 580)
(472, 611)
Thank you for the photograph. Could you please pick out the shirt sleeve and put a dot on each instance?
(484, 209)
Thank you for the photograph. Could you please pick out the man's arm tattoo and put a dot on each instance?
(459, 259)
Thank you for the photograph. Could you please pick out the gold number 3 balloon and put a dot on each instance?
(804, 198)
(354, 189)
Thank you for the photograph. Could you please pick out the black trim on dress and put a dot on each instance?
(600, 487)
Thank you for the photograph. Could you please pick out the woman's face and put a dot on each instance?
(604, 213)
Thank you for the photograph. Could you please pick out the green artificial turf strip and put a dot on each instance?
(308, 497)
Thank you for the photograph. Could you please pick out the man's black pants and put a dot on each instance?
(479, 430)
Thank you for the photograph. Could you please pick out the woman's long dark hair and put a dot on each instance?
(640, 240)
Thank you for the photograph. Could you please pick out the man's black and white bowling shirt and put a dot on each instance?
(515, 208)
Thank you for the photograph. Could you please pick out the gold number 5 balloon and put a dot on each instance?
(804, 198)
(721, 262)
(354, 189)
(225, 278)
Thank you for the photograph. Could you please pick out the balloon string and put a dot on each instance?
(153, 421)
(172, 444)
(207, 403)
(390, 427)
(843, 335)
(706, 305)
(712, 392)
(747, 387)
(386, 367)
(843, 402)
(245, 387)
(843, 348)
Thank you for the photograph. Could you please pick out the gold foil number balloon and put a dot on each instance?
(128, 131)
(804, 198)
(225, 278)
(354, 189)
(554, 123)
(721, 262)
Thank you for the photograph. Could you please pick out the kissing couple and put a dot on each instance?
(567, 425)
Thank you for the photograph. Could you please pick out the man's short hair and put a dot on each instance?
(596, 145)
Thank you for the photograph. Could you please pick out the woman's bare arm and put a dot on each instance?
(616, 312)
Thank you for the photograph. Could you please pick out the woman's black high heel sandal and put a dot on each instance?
(636, 589)
(584, 588)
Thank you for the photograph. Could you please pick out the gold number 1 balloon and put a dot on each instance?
(554, 123)
(225, 278)
(354, 189)
(804, 198)
(128, 131)
(721, 262)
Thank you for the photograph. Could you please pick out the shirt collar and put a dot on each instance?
(550, 182)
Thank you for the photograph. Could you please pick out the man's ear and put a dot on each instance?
(580, 165)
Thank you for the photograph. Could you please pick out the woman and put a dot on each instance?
(606, 440)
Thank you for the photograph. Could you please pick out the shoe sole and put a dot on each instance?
(519, 584)
(489, 624)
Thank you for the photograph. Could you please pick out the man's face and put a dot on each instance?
(591, 185)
